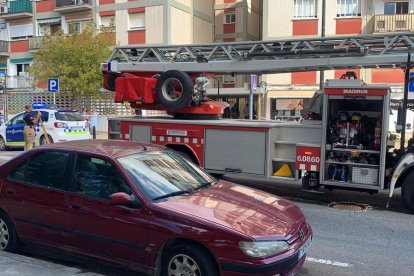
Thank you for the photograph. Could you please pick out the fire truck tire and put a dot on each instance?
(174, 89)
(407, 191)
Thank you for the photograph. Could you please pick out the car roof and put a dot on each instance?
(111, 148)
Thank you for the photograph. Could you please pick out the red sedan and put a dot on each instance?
(147, 208)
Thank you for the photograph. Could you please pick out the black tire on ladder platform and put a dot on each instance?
(174, 89)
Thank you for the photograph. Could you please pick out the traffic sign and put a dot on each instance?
(253, 83)
(53, 85)
(411, 83)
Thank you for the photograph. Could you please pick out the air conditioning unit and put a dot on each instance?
(4, 9)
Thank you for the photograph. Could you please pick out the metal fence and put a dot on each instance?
(104, 105)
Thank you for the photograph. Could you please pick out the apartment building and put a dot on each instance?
(24, 22)
(303, 18)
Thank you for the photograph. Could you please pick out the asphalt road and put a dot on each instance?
(376, 241)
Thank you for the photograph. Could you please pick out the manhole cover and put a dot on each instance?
(350, 206)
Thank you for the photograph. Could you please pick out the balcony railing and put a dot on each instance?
(4, 46)
(35, 42)
(382, 23)
(64, 3)
(18, 82)
(20, 6)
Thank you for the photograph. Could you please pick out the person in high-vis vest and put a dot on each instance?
(29, 126)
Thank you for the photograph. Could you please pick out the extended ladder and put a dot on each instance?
(287, 55)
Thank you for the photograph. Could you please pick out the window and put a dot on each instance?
(17, 119)
(136, 20)
(289, 109)
(21, 69)
(229, 18)
(227, 79)
(97, 178)
(74, 28)
(396, 7)
(108, 23)
(305, 8)
(45, 169)
(349, 8)
(45, 115)
(23, 31)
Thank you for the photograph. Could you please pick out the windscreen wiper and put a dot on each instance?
(176, 193)
(205, 185)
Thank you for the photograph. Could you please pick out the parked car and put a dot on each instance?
(148, 208)
(61, 125)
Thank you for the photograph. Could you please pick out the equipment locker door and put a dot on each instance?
(235, 151)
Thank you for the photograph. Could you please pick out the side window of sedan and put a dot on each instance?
(97, 178)
(18, 119)
(44, 169)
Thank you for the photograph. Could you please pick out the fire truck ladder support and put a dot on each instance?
(276, 56)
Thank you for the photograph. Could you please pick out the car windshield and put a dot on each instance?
(161, 174)
(69, 116)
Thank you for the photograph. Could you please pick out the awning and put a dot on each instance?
(48, 21)
(21, 60)
(3, 65)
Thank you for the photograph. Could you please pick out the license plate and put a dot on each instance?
(304, 248)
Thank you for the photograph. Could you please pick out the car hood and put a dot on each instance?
(246, 210)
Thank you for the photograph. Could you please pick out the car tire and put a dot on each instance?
(42, 140)
(166, 93)
(2, 144)
(407, 191)
(188, 259)
(8, 236)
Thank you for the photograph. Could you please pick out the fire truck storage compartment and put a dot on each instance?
(140, 133)
(284, 138)
(236, 151)
(354, 152)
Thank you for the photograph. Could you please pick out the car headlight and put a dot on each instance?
(263, 248)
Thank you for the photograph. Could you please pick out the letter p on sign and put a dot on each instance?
(53, 85)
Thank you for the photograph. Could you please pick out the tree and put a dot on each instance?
(74, 59)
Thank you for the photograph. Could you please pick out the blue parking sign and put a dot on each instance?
(411, 83)
(53, 85)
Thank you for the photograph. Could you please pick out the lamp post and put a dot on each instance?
(3, 87)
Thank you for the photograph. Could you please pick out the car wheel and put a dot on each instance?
(43, 140)
(189, 260)
(2, 144)
(174, 89)
(8, 237)
(407, 191)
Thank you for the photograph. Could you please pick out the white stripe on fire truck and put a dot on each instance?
(169, 139)
(302, 167)
(153, 138)
(161, 138)
(186, 140)
(313, 168)
(177, 139)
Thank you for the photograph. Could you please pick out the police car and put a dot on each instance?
(60, 124)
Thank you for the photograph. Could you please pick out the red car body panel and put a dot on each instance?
(217, 218)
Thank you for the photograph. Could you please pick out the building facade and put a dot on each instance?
(303, 18)
(24, 22)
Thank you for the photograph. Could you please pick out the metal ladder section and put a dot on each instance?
(276, 56)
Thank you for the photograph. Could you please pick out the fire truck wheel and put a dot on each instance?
(174, 89)
(407, 191)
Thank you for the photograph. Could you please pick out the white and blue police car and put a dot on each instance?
(61, 125)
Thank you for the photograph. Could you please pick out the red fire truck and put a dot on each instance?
(349, 146)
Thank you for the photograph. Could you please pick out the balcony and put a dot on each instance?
(384, 23)
(4, 48)
(18, 9)
(35, 43)
(70, 6)
(19, 82)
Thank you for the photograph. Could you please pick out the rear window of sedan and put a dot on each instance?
(69, 116)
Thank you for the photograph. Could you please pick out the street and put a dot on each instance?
(376, 241)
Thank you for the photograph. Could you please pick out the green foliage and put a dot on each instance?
(74, 59)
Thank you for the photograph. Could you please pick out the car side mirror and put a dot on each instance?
(122, 199)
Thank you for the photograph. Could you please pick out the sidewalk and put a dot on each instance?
(19, 265)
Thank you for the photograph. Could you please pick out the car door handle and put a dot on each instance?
(10, 192)
(75, 206)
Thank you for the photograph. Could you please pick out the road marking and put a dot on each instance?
(328, 262)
